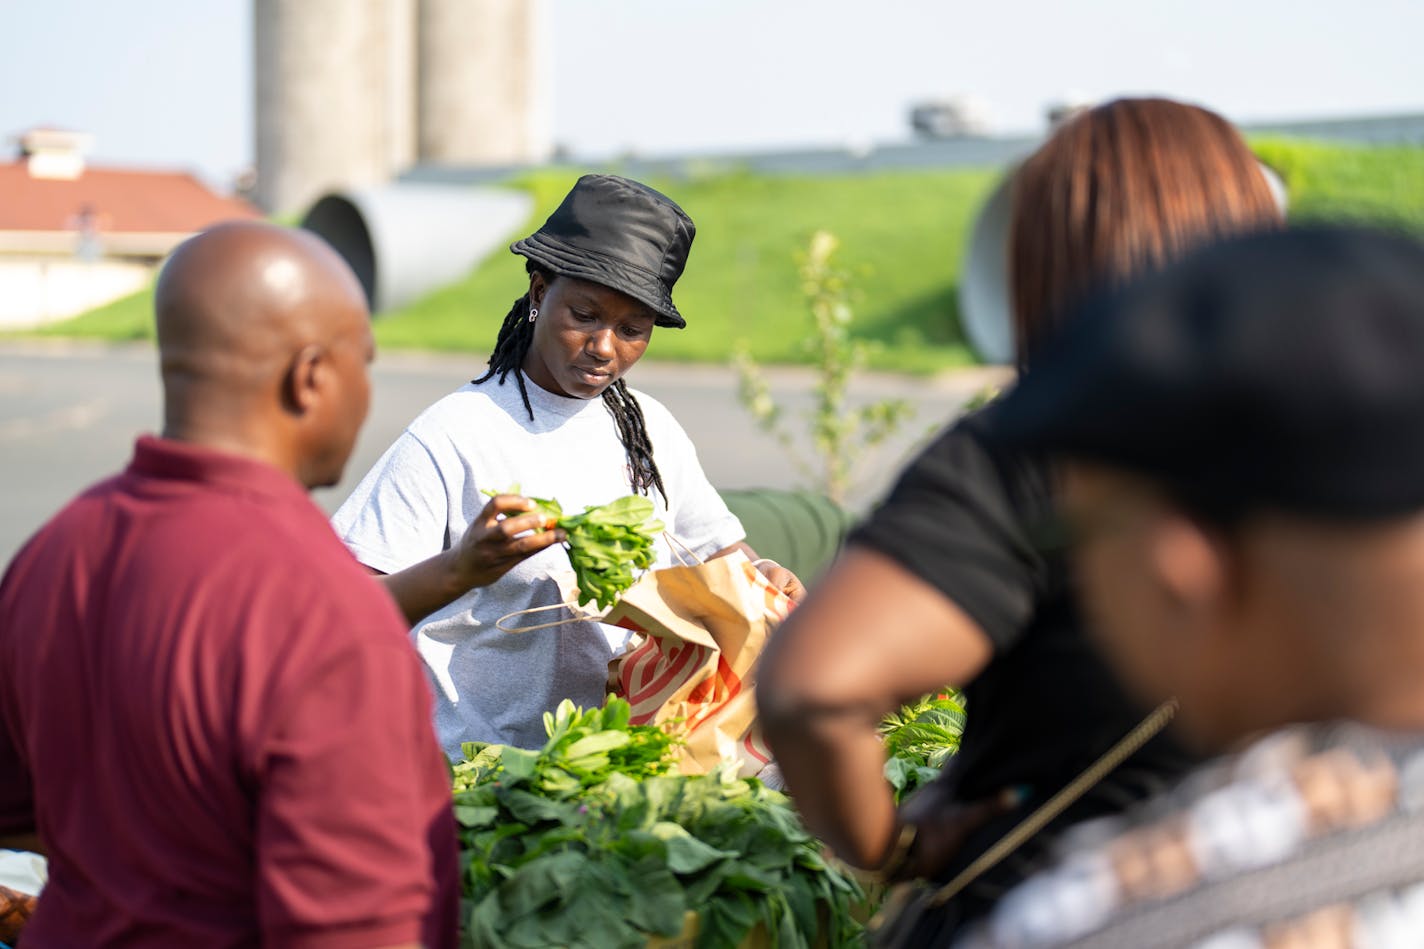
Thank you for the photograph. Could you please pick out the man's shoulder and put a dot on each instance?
(304, 600)
(311, 559)
(75, 527)
(281, 558)
(257, 574)
(84, 507)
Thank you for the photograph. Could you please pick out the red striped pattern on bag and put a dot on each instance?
(660, 668)
(713, 692)
(652, 672)
(755, 747)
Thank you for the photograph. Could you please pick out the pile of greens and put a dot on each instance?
(606, 543)
(920, 738)
(589, 842)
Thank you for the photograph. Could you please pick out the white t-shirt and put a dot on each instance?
(424, 492)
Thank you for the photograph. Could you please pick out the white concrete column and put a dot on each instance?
(483, 91)
(401, 98)
(327, 106)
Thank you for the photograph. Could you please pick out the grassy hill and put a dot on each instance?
(902, 235)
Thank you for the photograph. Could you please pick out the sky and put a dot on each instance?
(169, 82)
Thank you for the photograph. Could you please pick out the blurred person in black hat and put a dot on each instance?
(1244, 489)
(553, 415)
(944, 583)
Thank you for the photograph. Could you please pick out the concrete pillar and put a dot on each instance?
(482, 82)
(329, 111)
(401, 33)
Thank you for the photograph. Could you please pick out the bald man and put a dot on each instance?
(211, 719)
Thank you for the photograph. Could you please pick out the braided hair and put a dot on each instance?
(510, 349)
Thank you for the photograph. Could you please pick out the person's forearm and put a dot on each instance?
(426, 587)
(871, 637)
(834, 767)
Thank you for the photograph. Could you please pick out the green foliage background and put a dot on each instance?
(902, 236)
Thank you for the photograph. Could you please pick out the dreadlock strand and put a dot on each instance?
(633, 432)
(510, 348)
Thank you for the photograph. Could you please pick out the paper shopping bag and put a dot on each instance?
(704, 627)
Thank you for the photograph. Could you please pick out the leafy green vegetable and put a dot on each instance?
(584, 747)
(589, 842)
(606, 543)
(920, 738)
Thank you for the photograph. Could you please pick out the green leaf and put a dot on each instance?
(660, 903)
(629, 511)
(597, 743)
(546, 880)
(532, 809)
(616, 713)
(725, 923)
(685, 853)
(608, 856)
(605, 542)
(558, 783)
(518, 764)
(475, 816)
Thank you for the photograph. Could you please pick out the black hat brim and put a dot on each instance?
(582, 264)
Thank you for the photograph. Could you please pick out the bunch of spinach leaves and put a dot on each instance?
(589, 843)
(920, 738)
(606, 543)
(584, 747)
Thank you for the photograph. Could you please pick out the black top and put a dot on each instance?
(970, 517)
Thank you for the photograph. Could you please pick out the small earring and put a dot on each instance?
(533, 312)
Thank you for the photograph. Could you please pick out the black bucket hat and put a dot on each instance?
(619, 233)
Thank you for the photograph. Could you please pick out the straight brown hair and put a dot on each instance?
(1120, 189)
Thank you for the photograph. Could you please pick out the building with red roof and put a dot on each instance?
(74, 236)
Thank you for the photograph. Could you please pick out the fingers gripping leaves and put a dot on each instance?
(606, 543)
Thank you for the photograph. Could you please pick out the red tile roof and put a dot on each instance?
(125, 202)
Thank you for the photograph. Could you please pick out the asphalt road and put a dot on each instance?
(69, 413)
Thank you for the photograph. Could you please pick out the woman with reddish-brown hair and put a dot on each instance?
(951, 581)
(1121, 189)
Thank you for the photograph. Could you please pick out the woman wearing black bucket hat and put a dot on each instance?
(601, 272)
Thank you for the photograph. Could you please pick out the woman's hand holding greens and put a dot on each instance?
(507, 530)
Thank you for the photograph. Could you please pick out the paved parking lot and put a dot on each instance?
(69, 413)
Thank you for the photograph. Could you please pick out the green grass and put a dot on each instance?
(902, 235)
(127, 318)
(1383, 185)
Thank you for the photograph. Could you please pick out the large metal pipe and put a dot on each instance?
(985, 304)
(984, 307)
(406, 240)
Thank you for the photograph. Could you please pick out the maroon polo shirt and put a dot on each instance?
(216, 722)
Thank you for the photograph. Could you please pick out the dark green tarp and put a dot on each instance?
(800, 530)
